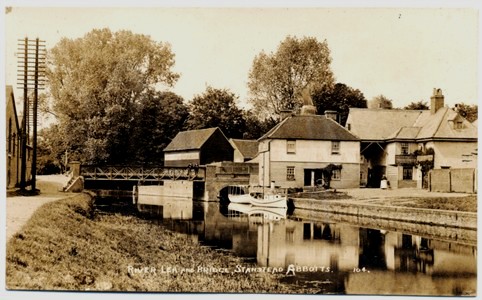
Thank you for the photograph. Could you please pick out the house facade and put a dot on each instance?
(404, 145)
(198, 147)
(294, 153)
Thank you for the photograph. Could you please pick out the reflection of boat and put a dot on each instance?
(238, 194)
(266, 213)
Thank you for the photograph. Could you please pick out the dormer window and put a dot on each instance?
(458, 125)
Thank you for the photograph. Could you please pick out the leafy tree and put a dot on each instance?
(468, 111)
(380, 101)
(50, 150)
(277, 80)
(95, 83)
(256, 128)
(159, 117)
(420, 105)
(340, 99)
(217, 108)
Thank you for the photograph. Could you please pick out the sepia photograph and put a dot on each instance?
(240, 150)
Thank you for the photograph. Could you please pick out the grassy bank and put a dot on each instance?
(468, 203)
(65, 246)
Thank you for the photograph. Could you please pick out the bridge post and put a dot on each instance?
(75, 167)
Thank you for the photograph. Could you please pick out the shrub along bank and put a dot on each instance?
(66, 246)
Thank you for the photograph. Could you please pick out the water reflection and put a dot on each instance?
(359, 260)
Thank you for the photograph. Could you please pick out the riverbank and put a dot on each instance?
(67, 246)
(414, 198)
(406, 205)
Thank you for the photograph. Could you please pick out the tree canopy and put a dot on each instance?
(96, 83)
(276, 80)
(340, 98)
(380, 101)
(159, 117)
(468, 111)
(420, 105)
(216, 108)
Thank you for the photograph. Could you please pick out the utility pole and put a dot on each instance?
(31, 77)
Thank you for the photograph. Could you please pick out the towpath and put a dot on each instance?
(20, 208)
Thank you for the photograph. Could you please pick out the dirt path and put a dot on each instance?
(20, 208)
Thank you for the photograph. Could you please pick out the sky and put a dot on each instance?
(401, 53)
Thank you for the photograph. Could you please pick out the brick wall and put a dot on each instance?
(452, 180)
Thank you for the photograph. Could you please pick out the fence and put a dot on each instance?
(453, 180)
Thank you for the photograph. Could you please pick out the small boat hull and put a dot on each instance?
(280, 201)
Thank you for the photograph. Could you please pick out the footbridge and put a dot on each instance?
(211, 179)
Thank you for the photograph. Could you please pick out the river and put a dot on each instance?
(332, 255)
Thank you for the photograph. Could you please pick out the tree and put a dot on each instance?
(51, 150)
(159, 117)
(95, 83)
(340, 99)
(256, 128)
(217, 108)
(469, 112)
(380, 101)
(277, 80)
(420, 105)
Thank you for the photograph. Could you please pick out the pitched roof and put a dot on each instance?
(309, 127)
(384, 124)
(10, 101)
(248, 148)
(191, 139)
(379, 124)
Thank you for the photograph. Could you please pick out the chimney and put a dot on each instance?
(436, 101)
(332, 114)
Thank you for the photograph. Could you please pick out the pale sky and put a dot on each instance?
(402, 53)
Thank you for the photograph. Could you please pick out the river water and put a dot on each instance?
(332, 256)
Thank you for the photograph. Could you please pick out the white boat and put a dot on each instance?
(265, 213)
(258, 199)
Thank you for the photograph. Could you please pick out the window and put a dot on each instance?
(459, 125)
(336, 175)
(348, 126)
(404, 148)
(407, 173)
(335, 147)
(291, 146)
(290, 173)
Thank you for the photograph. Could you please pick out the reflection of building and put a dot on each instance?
(404, 144)
(295, 151)
(308, 244)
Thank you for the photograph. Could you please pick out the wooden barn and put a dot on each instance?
(198, 147)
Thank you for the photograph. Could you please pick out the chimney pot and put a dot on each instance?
(436, 101)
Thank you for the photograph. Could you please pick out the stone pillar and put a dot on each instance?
(75, 167)
(419, 177)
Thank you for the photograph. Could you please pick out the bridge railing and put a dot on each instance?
(93, 172)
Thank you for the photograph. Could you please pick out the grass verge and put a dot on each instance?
(468, 203)
(66, 246)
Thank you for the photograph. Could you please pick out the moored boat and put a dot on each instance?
(237, 194)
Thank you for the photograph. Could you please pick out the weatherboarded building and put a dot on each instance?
(294, 152)
(244, 150)
(404, 145)
(198, 147)
(14, 149)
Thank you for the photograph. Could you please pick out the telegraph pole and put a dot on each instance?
(31, 78)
